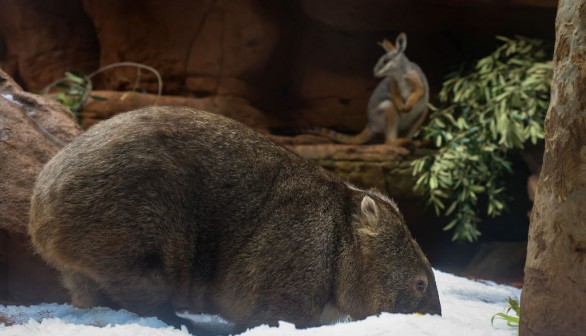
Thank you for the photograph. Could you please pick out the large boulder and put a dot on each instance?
(32, 130)
(46, 38)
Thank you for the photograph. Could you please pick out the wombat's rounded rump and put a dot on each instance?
(162, 209)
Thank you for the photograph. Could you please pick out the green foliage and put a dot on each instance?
(483, 114)
(512, 321)
(74, 89)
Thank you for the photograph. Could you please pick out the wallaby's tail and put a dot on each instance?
(360, 138)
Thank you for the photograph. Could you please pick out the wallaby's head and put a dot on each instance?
(394, 58)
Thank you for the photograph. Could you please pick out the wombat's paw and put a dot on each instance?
(205, 324)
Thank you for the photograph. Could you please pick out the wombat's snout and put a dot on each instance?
(430, 303)
(433, 309)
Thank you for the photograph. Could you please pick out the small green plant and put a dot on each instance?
(75, 88)
(512, 321)
(483, 114)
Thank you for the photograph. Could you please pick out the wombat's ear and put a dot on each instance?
(369, 208)
(371, 216)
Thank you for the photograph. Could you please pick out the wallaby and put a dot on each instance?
(170, 208)
(398, 104)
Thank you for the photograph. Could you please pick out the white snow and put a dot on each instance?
(467, 307)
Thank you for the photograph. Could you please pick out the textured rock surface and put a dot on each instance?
(116, 102)
(32, 130)
(502, 262)
(203, 46)
(45, 38)
(554, 296)
(384, 167)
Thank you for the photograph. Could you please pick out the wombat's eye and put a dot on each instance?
(421, 285)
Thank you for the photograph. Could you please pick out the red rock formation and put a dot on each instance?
(205, 47)
(304, 62)
(46, 38)
(116, 102)
(32, 130)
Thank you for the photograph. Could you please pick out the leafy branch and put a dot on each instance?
(74, 89)
(483, 114)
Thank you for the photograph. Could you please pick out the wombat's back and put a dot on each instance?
(162, 167)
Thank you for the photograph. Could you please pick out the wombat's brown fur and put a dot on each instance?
(168, 208)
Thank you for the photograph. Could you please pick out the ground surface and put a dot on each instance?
(467, 310)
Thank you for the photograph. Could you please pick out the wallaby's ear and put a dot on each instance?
(387, 45)
(370, 217)
(401, 42)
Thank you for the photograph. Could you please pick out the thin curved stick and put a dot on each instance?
(133, 64)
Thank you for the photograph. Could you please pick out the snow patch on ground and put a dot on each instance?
(467, 307)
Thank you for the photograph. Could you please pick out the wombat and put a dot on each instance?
(169, 208)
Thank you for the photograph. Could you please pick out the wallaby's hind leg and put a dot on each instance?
(392, 126)
(85, 292)
(416, 125)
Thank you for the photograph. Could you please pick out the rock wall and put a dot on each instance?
(301, 62)
(43, 39)
(32, 130)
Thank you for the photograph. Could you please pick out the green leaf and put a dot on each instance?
(76, 78)
(512, 321)
(433, 182)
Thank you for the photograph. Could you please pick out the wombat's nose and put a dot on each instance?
(431, 309)
(430, 305)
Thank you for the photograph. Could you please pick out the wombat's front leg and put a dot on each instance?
(85, 292)
(164, 312)
(146, 295)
